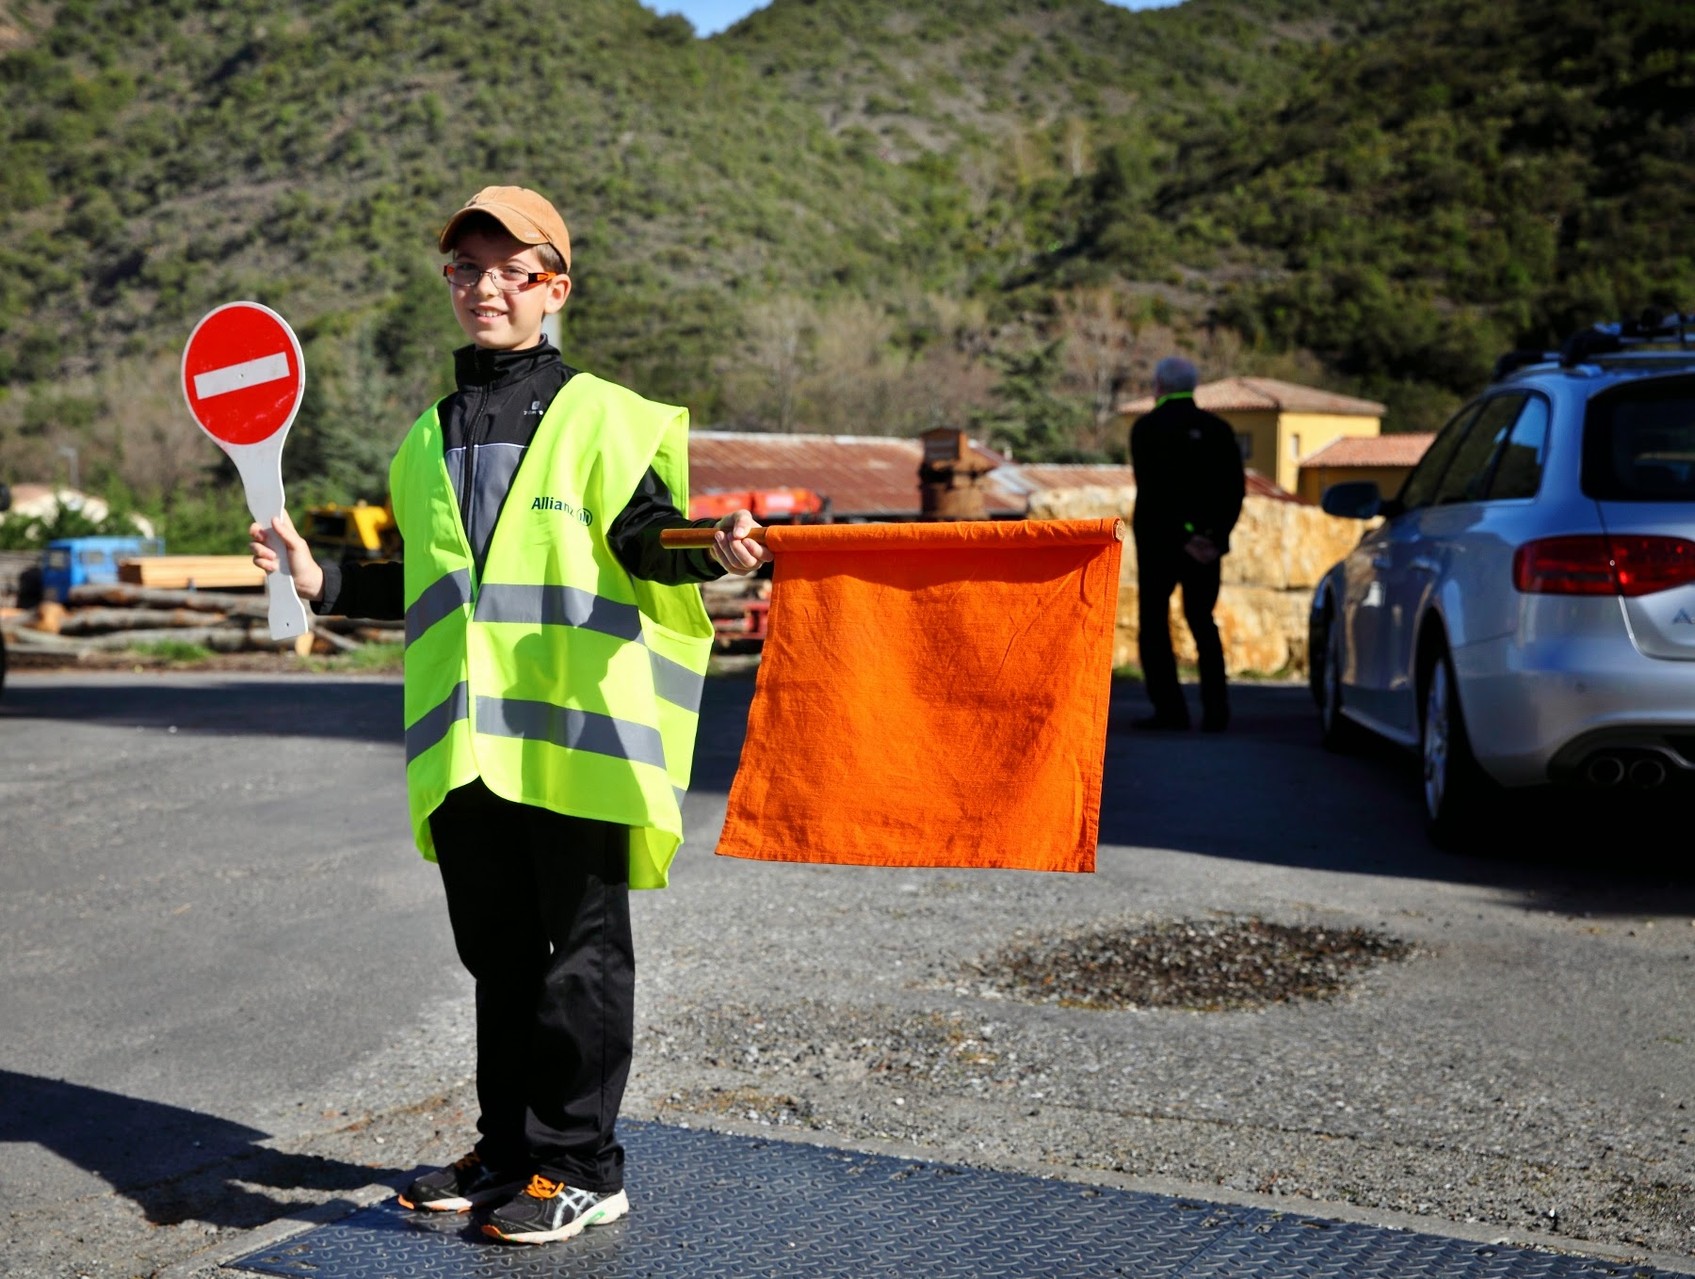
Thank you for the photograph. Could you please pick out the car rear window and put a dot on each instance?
(1420, 486)
(1518, 472)
(1467, 476)
(1639, 442)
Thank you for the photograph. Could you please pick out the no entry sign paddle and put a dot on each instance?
(243, 376)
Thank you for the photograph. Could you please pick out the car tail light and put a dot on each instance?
(1604, 564)
(1647, 564)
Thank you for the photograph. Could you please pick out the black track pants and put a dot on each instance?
(1159, 573)
(540, 907)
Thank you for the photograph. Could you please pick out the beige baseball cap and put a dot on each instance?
(528, 216)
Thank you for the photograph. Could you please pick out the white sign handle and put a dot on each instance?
(260, 467)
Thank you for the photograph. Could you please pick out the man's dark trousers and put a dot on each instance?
(1161, 569)
(540, 907)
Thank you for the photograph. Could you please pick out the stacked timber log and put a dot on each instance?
(97, 619)
(191, 572)
(737, 607)
(125, 615)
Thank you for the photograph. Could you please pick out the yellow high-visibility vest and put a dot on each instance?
(557, 678)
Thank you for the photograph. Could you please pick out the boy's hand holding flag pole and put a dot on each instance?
(929, 695)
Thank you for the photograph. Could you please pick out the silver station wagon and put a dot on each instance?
(1524, 613)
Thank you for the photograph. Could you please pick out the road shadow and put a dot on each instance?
(1264, 791)
(175, 1164)
(295, 706)
(358, 710)
(723, 726)
(1267, 791)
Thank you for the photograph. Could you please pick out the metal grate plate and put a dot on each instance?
(707, 1204)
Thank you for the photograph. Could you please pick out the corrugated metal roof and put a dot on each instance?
(876, 476)
(864, 476)
(1372, 450)
(1068, 475)
(1245, 394)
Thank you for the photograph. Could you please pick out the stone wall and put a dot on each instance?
(1278, 552)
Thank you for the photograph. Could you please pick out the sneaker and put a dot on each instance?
(546, 1211)
(460, 1186)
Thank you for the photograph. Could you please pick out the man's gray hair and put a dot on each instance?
(1174, 373)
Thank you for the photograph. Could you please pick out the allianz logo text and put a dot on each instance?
(580, 514)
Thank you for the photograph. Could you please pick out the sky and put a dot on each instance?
(712, 16)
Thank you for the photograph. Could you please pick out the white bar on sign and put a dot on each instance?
(268, 368)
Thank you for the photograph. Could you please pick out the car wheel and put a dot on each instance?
(1456, 791)
(1336, 731)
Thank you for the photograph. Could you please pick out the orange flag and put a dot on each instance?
(931, 695)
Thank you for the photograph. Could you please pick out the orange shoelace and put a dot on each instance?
(541, 1188)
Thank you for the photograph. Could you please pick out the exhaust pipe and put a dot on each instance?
(1606, 771)
(1645, 774)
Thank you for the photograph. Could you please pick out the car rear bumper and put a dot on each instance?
(1552, 710)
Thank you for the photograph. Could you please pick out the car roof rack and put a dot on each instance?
(1651, 328)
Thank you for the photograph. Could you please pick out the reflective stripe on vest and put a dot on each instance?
(547, 606)
(433, 725)
(442, 598)
(559, 606)
(676, 683)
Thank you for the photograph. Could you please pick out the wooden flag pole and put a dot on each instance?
(699, 538)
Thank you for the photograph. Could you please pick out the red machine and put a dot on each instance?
(779, 506)
(739, 622)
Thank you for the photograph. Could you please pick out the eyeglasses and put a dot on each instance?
(508, 279)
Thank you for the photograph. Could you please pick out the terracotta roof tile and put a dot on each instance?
(1241, 394)
(1372, 450)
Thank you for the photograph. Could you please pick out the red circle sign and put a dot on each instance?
(242, 373)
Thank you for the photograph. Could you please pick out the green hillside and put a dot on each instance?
(1461, 179)
(841, 215)
(932, 77)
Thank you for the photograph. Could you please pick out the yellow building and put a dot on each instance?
(1278, 424)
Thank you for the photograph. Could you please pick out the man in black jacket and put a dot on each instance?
(1189, 487)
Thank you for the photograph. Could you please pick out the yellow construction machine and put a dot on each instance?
(360, 531)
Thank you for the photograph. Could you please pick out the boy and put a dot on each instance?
(554, 653)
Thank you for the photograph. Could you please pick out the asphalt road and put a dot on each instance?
(231, 1005)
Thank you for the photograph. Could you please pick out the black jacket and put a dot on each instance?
(487, 426)
(1189, 476)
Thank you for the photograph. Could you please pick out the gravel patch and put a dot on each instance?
(1205, 965)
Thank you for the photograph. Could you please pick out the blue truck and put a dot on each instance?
(80, 561)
